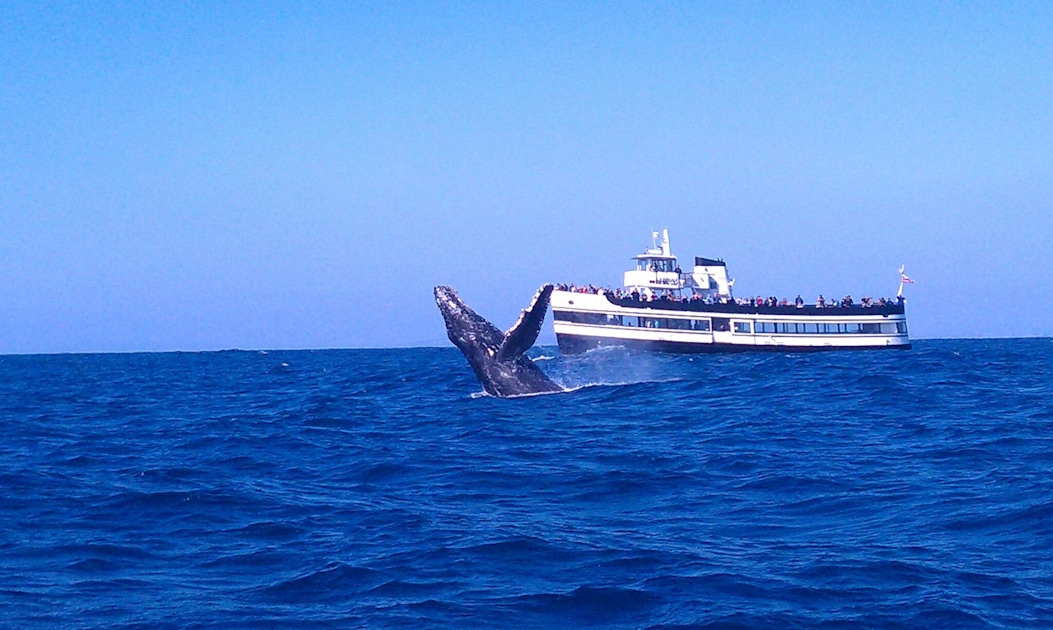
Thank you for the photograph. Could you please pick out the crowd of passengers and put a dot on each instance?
(669, 296)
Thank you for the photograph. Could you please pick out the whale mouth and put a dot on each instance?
(446, 297)
(443, 293)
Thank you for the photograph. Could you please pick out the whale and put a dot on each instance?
(498, 358)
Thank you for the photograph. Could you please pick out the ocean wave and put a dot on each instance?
(375, 488)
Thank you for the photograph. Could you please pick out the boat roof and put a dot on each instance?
(653, 257)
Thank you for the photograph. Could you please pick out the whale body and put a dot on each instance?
(496, 357)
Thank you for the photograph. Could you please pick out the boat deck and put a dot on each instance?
(740, 309)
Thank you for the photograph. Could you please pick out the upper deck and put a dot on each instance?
(665, 303)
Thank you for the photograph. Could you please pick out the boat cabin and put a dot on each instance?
(709, 279)
(658, 274)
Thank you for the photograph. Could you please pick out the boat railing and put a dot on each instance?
(667, 304)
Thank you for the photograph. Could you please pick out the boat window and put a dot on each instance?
(801, 328)
(743, 327)
(580, 318)
(649, 322)
(721, 324)
(700, 324)
(678, 324)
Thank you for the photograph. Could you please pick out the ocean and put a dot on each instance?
(380, 489)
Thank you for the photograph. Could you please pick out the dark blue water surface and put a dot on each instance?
(376, 488)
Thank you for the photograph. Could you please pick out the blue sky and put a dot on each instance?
(182, 176)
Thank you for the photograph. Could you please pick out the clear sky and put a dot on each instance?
(183, 176)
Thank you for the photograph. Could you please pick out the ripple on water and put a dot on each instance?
(370, 488)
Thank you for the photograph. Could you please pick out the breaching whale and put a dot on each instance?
(498, 358)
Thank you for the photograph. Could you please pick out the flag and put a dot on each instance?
(904, 279)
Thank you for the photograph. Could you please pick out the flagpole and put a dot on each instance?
(903, 279)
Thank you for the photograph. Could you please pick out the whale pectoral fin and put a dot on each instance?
(524, 332)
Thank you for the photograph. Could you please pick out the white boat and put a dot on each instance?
(662, 308)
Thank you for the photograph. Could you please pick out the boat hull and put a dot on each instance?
(583, 321)
(577, 344)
